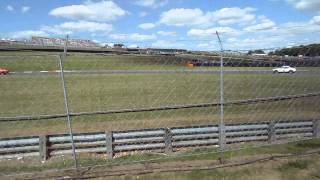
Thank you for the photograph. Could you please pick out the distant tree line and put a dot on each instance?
(308, 50)
(259, 51)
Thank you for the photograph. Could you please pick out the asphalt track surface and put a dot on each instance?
(111, 72)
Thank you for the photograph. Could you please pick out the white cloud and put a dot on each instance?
(167, 44)
(265, 24)
(83, 26)
(133, 37)
(235, 15)
(298, 28)
(55, 30)
(186, 17)
(79, 26)
(315, 20)
(306, 5)
(147, 26)
(10, 8)
(25, 9)
(143, 14)
(232, 40)
(282, 36)
(26, 34)
(151, 3)
(211, 33)
(167, 33)
(196, 17)
(90, 11)
(263, 42)
(204, 46)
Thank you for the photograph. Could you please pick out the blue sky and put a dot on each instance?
(189, 24)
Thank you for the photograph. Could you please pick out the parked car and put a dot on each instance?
(4, 71)
(284, 69)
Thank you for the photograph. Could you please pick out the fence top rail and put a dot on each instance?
(14, 142)
(246, 127)
(195, 130)
(78, 138)
(19, 138)
(139, 134)
(138, 130)
(293, 124)
(76, 134)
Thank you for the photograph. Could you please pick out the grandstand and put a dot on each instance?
(44, 41)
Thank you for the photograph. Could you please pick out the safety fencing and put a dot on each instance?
(165, 140)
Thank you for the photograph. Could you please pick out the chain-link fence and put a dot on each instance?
(125, 108)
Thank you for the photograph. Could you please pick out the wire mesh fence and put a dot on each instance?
(139, 107)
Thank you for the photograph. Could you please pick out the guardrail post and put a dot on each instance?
(272, 132)
(222, 136)
(316, 128)
(43, 147)
(168, 141)
(109, 144)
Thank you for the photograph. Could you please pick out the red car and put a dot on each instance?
(4, 71)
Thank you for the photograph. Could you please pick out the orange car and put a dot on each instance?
(4, 71)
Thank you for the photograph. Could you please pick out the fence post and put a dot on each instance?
(43, 147)
(271, 132)
(109, 144)
(168, 140)
(222, 130)
(316, 128)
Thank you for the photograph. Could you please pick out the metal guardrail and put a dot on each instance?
(163, 139)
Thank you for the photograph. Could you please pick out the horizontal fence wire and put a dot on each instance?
(237, 102)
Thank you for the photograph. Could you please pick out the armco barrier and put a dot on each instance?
(165, 140)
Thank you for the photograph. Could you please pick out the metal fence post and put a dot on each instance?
(316, 128)
(168, 141)
(222, 130)
(66, 102)
(109, 144)
(43, 147)
(271, 133)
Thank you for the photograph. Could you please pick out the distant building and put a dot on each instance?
(4, 42)
(258, 54)
(165, 51)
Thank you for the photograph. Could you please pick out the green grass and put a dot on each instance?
(28, 62)
(293, 165)
(43, 94)
(302, 168)
(48, 61)
(30, 165)
(36, 95)
(39, 95)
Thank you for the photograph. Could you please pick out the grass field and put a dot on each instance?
(39, 95)
(48, 61)
(290, 168)
(43, 62)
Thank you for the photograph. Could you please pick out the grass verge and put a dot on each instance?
(202, 154)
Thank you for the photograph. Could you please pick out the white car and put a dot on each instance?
(284, 69)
